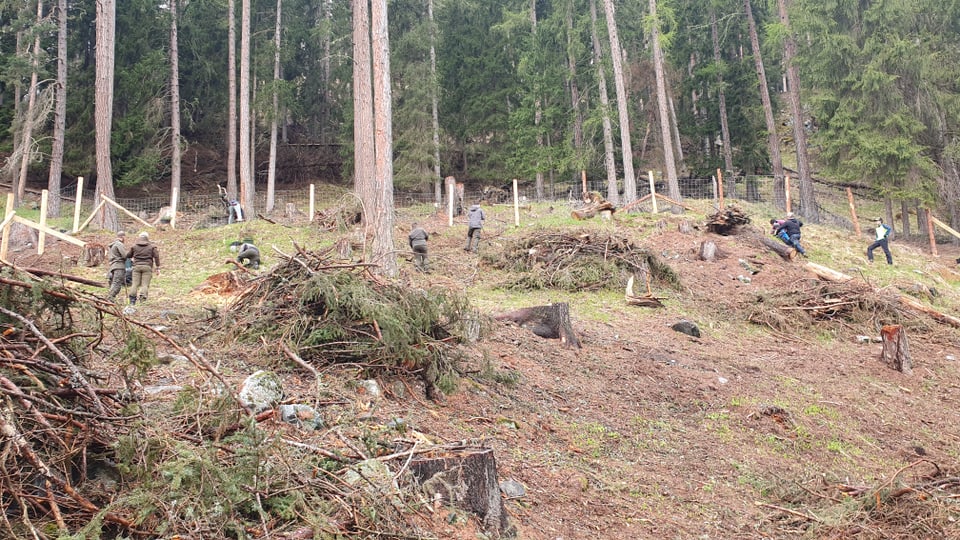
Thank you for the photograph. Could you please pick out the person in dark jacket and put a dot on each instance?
(117, 255)
(146, 259)
(475, 218)
(791, 226)
(882, 232)
(418, 243)
(248, 255)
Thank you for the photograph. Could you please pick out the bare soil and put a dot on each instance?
(745, 432)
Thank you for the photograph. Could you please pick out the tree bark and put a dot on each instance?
(363, 146)
(773, 138)
(550, 322)
(174, 109)
(466, 478)
(613, 191)
(247, 189)
(384, 252)
(435, 98)
(896, 350)
(808, 200)
(616, 55)
(670, 164)
(59, 114)
(722, 95)
(781, 249)
(272, 171)
(574, 89)
(103, 110)
(232, 102)
(27, 135)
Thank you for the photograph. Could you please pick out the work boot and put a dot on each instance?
(133, 300)
(143, 298)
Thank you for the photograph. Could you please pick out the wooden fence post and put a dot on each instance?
(76, 204)
(933, 239)
(653, 191)
(42, 237)
(7, 220)
(853, 212)
(312, 195)
(516, 204)
(720, 188)
(786, 190)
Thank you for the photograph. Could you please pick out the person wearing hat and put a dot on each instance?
(882, 232)
(146, 257)
(117, 254)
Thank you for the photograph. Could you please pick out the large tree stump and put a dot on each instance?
(551, 322)
(467, 479)
(93, 254)
(896, 352)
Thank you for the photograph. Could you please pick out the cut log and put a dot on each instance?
(728, 221)
(467, 479)
(644, 301)
(896, 350)
(594, 204)
(781, 249)
(551, 322)
(915, 305)
(827, 274)
(708, 251)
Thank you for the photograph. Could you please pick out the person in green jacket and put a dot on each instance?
(117, 255)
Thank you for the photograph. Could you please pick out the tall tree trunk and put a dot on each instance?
(905, 215)
(59, 114)
(773, 138)
(174, 108)
(272, 168)
(232, 114)
(724, 127)
(538, 112)
(808, 200)
(384, 251)
(435, 99)
(613, 191)
(325, 67)
(363, 144)
(673, 184)
(247, 188)
(616, 55)
(27, 136)
(574, 90)
(103, 110)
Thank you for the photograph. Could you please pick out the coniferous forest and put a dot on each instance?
(857, 93)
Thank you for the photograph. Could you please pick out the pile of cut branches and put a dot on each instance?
(580, 261)
(814, 301)
(59, 423)
(327, 312)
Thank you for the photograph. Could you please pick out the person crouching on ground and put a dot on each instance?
(117, 253)
(475, 218)
(248, 255)
(145, 256)
(418, 243)
(791, 226)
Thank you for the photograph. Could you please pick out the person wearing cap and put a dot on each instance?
(146, 257)
(882, 233)
(117, 273)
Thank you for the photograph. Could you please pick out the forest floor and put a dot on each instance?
(777, 422)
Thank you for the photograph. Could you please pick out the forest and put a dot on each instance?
(857, 93)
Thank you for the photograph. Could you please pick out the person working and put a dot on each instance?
(791, 227)
(248, 255)
(117, 254)
(475, 218)
(418, 243)
(146, 257)
(882, 232)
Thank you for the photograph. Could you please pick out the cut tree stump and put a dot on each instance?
(93, 254)
(896, 350)
(551, 322)
(708, 251)
(466, 478)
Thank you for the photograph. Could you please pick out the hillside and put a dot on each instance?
(777, 422)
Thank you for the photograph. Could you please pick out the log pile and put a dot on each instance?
(727, 221)
(593, 204)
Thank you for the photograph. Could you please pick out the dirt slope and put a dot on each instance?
(644, 432)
